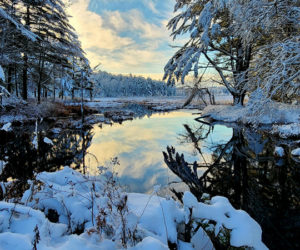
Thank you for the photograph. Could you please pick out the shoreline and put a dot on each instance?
(67, 114)
(277, 119)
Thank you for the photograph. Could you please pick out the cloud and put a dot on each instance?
(134, 21)
(90, 28)
(151, 5)
(122, 40)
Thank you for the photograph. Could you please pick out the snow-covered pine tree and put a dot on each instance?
(13, 37)
(49, 21)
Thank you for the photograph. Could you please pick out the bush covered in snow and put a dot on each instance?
(68, 210)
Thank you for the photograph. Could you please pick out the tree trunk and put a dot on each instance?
(39, 90)
(82, 108)
(62, 83)
(41, 69)
(240, 72)
(9, 78)
(238, 99)
(25, 67)
(91, 95)
(16, 82)
(54, 91)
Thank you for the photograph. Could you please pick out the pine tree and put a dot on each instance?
(13, 36)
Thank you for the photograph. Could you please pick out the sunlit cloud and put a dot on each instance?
(124, 36)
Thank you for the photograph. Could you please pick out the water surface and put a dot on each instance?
(139, 144)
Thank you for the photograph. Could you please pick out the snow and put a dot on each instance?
(279, 152)
(12, 118)
(286, 131)
(296, 152)
(150, 243)
(35, 142)
(155, 103)
(245, 230)
(159, 211)
(81, 201)
(284, 118)
(2, 166)
(18, 25)
(201, 240)
(109, 85)
(7, 127)
(226, 113)
(56, 130)
(48, 141)
(2, 75)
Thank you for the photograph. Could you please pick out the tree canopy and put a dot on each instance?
(247, 43)
(38, 47)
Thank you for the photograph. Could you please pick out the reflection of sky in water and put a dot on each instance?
(138, 144)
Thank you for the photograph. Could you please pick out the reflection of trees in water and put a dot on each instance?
(23, 159)
(245, 171)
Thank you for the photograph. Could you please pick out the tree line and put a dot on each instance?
(252, 45)
(109, 85)
(39, 50)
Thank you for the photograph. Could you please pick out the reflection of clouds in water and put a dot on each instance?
(108, 149)
(139, 144)
(139, 162)
(151, 176)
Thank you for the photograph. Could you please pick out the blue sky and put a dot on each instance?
(125, 36)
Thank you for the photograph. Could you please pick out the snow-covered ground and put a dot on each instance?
(296, 152)
(117, 109)
(287, 130)
(284, 118)
(279, 152)
(93, 213)
(159, 103)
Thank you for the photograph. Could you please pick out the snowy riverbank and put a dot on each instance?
(104, 110)
(67, 210)
(283, 119)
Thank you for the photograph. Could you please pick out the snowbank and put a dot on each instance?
(225, 113)
(6, 127)
(93, 213)
(284, 118)
(279, 152)
(244, 230)
(2, 166)
(274, 113)
(286, 131)
(2, 75)
(296, 152)
(152, 103)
